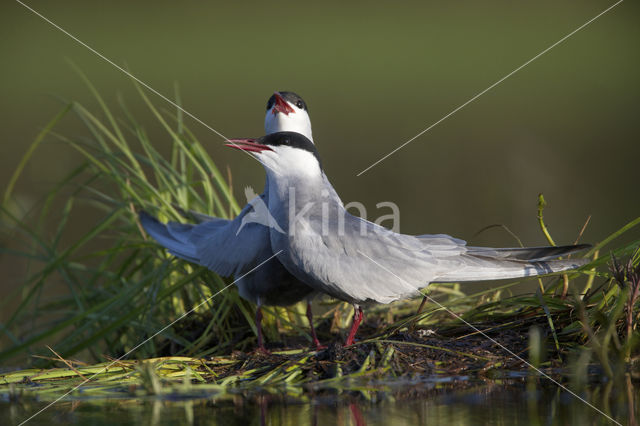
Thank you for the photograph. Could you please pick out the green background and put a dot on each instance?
(374, 76)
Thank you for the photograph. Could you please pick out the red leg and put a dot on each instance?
(358, 316)
(424, 301)
(413, 323)
(259, 327)
(314, 336)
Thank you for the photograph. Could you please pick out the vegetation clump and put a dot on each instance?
(156, 325)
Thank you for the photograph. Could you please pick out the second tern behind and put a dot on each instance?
(241, 247)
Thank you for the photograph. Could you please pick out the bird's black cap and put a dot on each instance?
(289, 97)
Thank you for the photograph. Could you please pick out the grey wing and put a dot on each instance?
(234, 248)
(366, 262)
(382, 266)
(223, 246)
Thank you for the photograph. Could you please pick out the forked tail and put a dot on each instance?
(486, 263)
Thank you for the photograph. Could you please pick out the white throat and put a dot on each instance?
(291, 166)
(297, 121)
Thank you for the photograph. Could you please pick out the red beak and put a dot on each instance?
(247, 145)
(281, 105)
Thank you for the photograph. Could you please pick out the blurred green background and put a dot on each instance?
(374, 76)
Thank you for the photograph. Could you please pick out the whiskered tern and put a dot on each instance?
(357, 261)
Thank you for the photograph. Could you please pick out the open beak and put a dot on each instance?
(247, 145)
(281, 105)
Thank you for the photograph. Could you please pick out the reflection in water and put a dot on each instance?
(631, 402)
(357, 415)
(462, 402)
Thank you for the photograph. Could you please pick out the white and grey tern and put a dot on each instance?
(357, 261)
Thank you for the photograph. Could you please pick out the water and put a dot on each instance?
(458, 401)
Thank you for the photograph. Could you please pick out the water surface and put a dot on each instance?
(458, 401)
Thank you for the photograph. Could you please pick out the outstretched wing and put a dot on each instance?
(223, 246)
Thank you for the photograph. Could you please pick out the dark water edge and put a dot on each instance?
(458, 401)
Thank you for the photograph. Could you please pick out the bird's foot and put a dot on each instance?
(314, 336)
(319, 346)
(262, 350)
(350, 340)
(358, 316)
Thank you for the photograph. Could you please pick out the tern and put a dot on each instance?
(357, 261)
(241, 247)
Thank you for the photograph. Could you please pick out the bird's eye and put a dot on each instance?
(299, 104)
